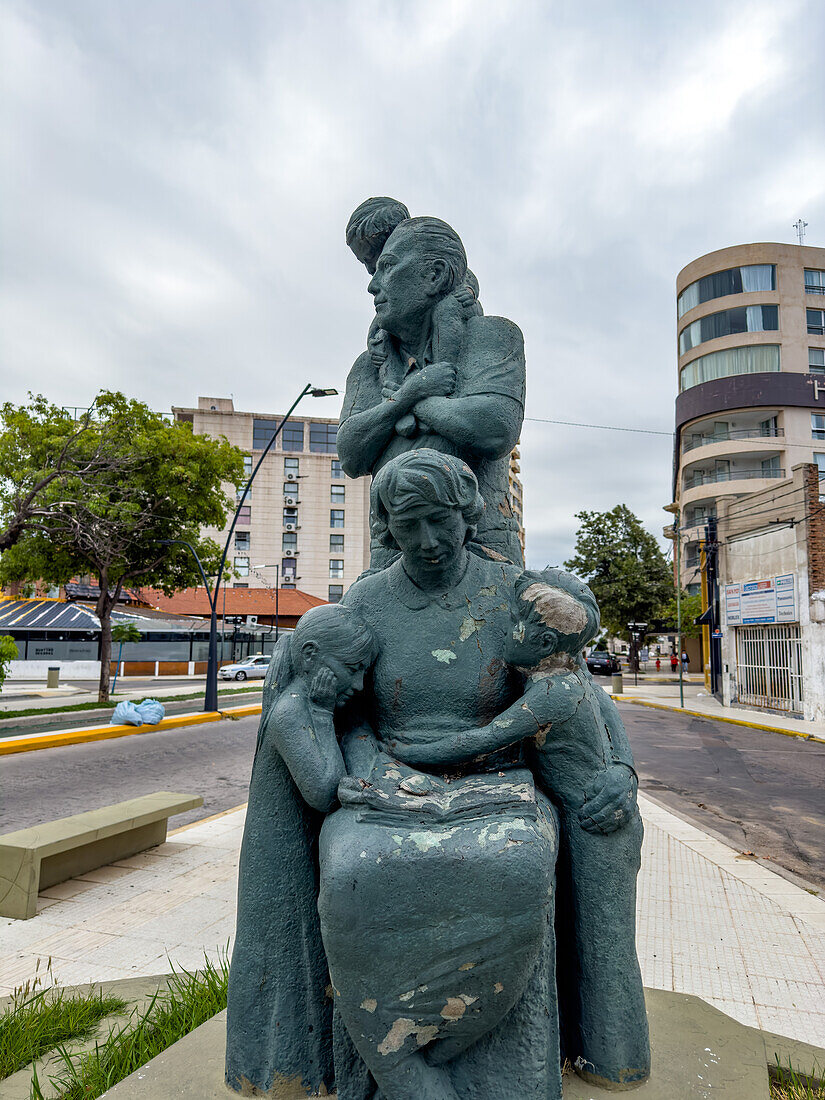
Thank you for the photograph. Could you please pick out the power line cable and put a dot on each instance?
(604, 427)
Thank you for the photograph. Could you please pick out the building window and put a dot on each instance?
(322, 438)
(814, 281)
(262, 432)
(247, 467)
(729, 322)
(336, 568)
(816, 322)
(770, 467)
(816, 360)
(291, 466)
(291, 489)
(288, 568)
(336, 517)
(699, 514)
(292, 437)
(242, 540)
(240, 584)
(289, 540)
(758, 359)
(241, 567)
(336, 494)
(735, 280)
(336, 542)
(335, 470)
(289, 585)
(245, 514)
(819, 459)
(818, 425)
(336, 591)
(290, 515)
(242, 491)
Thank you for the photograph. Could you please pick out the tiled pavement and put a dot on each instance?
(710, 922)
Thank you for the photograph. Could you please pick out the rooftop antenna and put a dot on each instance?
(800, 226)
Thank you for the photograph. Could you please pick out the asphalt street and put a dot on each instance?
(764, 793)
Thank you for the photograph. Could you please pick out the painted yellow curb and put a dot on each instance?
(104, 733)
(718, 718)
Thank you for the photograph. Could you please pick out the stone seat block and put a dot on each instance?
(36, 858)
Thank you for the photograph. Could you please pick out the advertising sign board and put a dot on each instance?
(752, 603)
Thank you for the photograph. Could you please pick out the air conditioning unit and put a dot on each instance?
(289, 553)
(290, 527)
(291, 477)
(290, 502)
(251, 620)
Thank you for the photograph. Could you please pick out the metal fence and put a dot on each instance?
(769, 666)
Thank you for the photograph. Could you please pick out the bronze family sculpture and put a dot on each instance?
(438, 874)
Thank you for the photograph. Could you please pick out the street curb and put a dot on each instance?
(717, 718)
(33, 741)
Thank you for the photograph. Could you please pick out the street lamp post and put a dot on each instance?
(210, 702)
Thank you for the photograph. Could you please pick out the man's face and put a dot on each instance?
(404, 286)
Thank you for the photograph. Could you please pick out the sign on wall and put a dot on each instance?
(751, 603)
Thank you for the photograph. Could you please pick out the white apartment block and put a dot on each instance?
(302, 515)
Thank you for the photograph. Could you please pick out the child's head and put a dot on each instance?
(370, 226)
(552, 612)
(336, 637)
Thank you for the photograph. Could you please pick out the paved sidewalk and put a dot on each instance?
(697, 699)
(710, 922)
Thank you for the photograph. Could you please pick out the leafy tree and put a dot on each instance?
(623, 565)
(44, 452)
(160, 481)
(8, 652)
(691, 609)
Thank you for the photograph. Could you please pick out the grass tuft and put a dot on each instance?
(788, 1084)
(38, 1020)
(190, 1000)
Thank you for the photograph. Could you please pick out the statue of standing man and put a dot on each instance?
(437, 373)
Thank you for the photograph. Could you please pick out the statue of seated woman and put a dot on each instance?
(434, 879)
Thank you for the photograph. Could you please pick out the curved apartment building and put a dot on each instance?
(751, 354)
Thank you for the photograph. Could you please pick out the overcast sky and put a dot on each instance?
(177, 175)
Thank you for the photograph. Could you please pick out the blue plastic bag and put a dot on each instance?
(126, 714)
(151, 711)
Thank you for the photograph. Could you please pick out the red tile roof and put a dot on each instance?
(292, 602)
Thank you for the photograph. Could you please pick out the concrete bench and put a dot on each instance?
(34, 859)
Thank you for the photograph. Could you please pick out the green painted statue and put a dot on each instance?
(437, 882)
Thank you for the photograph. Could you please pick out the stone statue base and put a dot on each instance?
(682, 1027)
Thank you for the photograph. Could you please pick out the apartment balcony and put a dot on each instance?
(711, 477)
(692, 442)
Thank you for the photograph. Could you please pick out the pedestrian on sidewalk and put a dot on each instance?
(658, 664)
(685, 661)
(674, 661)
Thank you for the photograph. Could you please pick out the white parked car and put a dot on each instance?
(250, 668)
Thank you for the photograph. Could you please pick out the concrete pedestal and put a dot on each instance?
(698, 1053)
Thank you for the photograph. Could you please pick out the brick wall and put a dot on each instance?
(815, 511)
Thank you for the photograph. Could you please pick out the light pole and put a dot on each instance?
(210, 702)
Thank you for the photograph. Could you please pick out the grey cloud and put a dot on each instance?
(177, 178)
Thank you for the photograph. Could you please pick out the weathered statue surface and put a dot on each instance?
(437, 373)
(437, 880)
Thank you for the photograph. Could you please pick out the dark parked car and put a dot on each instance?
(600, 662)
